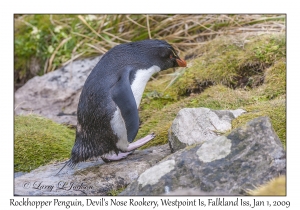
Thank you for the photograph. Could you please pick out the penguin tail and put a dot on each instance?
(68, 163)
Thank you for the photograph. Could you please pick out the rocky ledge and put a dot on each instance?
(226, 164)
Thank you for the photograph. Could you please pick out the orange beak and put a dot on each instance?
(181, 63)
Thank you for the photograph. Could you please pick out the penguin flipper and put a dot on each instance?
(123, 97)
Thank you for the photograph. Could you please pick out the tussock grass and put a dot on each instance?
(275, 187)
(44, 43)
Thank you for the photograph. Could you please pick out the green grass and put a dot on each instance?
(228, 62)
(39, 141)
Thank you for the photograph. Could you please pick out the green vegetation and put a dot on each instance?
(226, 61)
(116, 192)
(225, 76)
(39, 141)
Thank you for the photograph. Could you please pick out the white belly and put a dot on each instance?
(119, 128)
(139, 83)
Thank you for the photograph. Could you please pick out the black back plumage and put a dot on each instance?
(102, 93)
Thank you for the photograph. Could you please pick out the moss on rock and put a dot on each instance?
(275, 110)
(39, 141)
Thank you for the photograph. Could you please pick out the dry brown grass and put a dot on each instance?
(96, 34)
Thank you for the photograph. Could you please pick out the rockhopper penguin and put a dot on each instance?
(107, 113)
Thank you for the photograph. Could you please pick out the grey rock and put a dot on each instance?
(247, 157)
(197, 125)
(55, 95)
(20, 173)
(93, 177)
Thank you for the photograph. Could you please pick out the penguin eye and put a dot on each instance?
(173, 54)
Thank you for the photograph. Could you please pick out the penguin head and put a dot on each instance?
(142, 55)
(161, 53)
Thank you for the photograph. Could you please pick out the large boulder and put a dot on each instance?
(93, 177)
(247, 157)
(197, 125)
(55, 95)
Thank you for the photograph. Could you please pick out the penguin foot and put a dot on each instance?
(130, 149)
(113, 157)
(140, 142)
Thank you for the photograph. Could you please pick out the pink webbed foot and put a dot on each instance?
(140, 142)
(130, 149)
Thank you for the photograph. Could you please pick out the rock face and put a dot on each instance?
(55, 95)
(197, 125)
(88, 178)
(249, 156)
